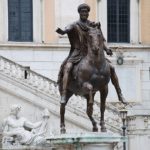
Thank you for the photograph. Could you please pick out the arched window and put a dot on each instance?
(20, 22)
(118, 19)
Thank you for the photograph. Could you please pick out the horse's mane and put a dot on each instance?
(95, 30)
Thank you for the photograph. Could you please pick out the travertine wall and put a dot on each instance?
(49, 21)
(50, 14)
(145, 21)
(93, 12)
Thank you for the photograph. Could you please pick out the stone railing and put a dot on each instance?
(21, 73)
(46, 86)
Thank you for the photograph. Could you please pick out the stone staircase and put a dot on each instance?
(35, 84)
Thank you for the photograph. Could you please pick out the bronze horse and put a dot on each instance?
(90, 75)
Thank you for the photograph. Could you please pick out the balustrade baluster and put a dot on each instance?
(13, 70)
(1, 64)
(49, 90)
(52, 89)
(16, 71)
(30, 78)
(35, 81)
(19, 72)
(38, 81)
(41, 87)
(57, 91)
(22, 73)
(5, 67)
(46, 85)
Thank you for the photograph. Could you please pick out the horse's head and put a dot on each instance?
(95, 40)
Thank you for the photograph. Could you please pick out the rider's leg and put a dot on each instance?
(115, 82)
(67, 69)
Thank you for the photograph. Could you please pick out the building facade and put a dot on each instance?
(28, 37)
(27, 28)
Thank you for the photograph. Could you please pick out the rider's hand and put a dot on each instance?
(109, 52)
(98, 24)
(60, 31)
(93, 24)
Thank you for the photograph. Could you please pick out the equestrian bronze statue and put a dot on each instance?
(86, 70)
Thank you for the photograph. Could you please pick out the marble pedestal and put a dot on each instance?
(85, 141)
(80, 141)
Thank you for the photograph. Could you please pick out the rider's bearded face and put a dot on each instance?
(84, 13)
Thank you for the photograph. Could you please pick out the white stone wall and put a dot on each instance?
(133, 74)
(139, 132)
(44, 60)
(66, 11)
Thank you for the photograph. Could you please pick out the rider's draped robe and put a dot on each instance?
(77, 34)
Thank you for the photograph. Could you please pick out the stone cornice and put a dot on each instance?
(117, 46)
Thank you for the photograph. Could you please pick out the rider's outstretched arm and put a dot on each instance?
(65, 31)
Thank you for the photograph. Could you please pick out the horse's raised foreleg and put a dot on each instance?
(62, 113)
(90, 112)
(103, 94)
(89, 87)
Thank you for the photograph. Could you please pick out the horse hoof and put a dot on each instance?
(125, 102)
(95, 129)
(122, 100)
(103, 129)
(63, 130)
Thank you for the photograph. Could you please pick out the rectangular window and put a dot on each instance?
(118, 18)
(20, 24)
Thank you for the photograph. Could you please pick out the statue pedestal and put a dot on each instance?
(85, 141)
(82, 141)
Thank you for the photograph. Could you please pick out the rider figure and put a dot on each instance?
(77, 36)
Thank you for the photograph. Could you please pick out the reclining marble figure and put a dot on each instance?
(19, 131)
